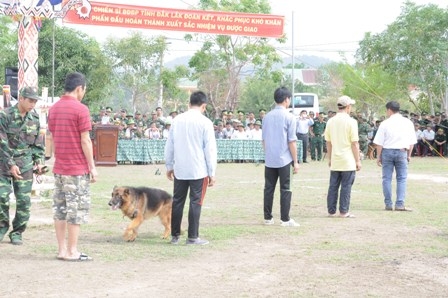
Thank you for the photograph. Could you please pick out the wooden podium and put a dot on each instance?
(105, 145)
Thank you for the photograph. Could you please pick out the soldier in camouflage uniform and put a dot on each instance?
(317, 139)
(21, 149)
(363, 131)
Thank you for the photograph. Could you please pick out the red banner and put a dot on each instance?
(200, 21)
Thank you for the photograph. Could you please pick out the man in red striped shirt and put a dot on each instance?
(74, 167)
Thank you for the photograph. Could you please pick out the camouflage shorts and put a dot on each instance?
(71, 198)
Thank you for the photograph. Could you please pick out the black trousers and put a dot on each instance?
(271, 175)
(304, 138)
(197, 191)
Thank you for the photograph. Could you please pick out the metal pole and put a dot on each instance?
(292, 54)
(52, 62)
(160, 101)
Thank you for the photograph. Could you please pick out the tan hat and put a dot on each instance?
(344, 101)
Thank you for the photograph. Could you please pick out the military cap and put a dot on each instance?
(424, 114)
(173, 112)
(153, 113)
(437, 113)
(258, 122)
(29, 92)
(230, 113)
(138, 113)
(108, 109)
(131, 121)
(240, 112)
(102, 108)
(261, 110)
(124, 111)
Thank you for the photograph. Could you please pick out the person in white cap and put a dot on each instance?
(341, 135)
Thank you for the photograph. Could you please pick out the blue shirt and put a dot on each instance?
(191, 147)
(279, 129)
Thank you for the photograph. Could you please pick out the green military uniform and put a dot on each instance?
(21, 144)
(317, 139)
(363, 131)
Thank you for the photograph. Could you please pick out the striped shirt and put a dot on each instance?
(67, 119)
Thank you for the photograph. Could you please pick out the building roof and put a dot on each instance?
(308, 77)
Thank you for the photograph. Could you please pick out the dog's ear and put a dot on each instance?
(126, 191)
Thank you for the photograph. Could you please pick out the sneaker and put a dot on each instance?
(3, 231)
(290, 223)
(269, 221)
(402, 208)
(175, 240)
(16, 239)
(197, 241)
(388, 208)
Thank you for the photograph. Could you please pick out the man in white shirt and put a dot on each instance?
(304, 122)
(428, 136)
(191, 160)
(257, 132)
(394, 141)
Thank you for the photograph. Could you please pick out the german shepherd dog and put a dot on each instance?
(140, 203)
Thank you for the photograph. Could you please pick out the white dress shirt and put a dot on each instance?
(396, 132)
(191, 147)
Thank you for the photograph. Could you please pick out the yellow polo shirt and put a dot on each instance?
(341, 131)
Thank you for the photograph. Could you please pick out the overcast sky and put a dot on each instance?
(321, 27)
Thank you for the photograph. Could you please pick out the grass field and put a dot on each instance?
(376, 254)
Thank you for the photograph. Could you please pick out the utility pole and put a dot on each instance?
(160, 101)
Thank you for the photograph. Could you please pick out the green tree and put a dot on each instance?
(220, 63)
(176, 98)
(258, 92)
(137, 62)
(8, 45)
(413, 49)
(74, 51)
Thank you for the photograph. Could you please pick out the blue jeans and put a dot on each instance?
(394, 159)
(343, 179)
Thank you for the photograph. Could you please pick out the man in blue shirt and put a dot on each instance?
(191, 160)
(279, 143)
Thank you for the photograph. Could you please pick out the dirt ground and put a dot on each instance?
(376, 254)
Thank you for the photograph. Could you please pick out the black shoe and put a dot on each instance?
(175, 240)
(304, 161)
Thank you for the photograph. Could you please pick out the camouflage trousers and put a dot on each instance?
(71, 198)
(363, 145)
(22, 192)
(317, 143)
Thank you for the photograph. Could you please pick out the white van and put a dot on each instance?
(304, 101)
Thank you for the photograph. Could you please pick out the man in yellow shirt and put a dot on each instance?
(341, 135)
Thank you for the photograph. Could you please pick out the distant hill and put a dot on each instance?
(308, 61)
